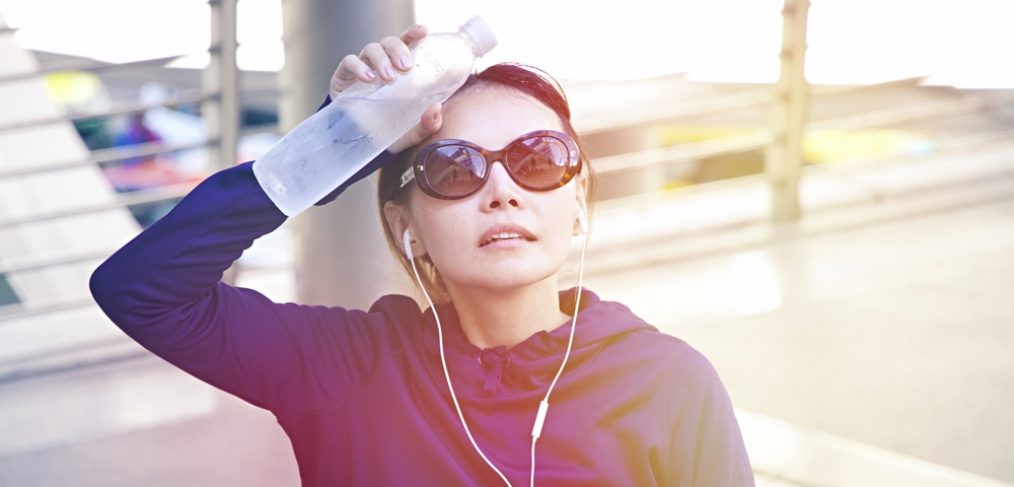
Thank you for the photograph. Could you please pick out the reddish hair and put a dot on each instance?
(518, 77)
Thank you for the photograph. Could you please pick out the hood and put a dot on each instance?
(532, 363)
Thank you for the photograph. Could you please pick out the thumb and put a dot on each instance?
(429, 123)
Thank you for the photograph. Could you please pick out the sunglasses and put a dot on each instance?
(452, 169)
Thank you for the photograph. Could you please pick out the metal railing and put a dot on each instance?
(663, 156)
(219, 100)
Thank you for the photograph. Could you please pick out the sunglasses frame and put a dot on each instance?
(417, 170)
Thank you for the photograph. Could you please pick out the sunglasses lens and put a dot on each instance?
(455, 170)
(539, 162)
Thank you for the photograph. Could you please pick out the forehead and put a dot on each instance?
(493, 116)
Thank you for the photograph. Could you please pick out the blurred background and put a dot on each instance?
(819, 196)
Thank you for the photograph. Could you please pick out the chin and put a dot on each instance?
(507, 276)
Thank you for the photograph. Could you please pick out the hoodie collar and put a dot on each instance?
(532, 363)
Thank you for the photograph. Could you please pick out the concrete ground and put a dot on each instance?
(882, 329)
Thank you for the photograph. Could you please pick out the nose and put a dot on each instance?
(501, 190)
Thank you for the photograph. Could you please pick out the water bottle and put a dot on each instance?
(333, 144)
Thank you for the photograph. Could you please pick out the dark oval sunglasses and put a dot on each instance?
(452, 169)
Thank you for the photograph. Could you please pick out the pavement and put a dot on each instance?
(865, 345)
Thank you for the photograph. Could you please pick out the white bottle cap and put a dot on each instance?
(481, 34)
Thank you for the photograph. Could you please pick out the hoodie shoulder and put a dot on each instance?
(395, 304)
(702, 438)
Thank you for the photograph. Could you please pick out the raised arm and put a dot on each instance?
(163, 288)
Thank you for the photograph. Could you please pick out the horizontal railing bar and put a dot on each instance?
(947, 107)
(682, 109)
(18, 311)
(94, 66)
(263, 128)
(145, 149)
(115, 154)
(838, 90)
(666, 155)
(108, 155)
(850, 165)
(73, 365)
(724, 145)
(142, 150)
(36, 263)
(88, 65)
(121, 108)
(673, 110)
(9, 363)
(140, 197)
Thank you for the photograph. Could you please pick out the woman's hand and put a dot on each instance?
(379, 62)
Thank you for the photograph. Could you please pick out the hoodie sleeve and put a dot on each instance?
(163, 290)
(702, 437)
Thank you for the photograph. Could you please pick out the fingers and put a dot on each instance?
(431, 119)
(392, 53)
(413, 33)
(350, 70)
(378, 61)
(375, 55)
(397, 53)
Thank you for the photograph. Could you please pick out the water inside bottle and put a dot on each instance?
(356, 131)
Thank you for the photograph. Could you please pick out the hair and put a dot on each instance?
(518, 77)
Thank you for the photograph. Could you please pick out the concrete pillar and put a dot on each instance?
(341, 258)
(784, 159)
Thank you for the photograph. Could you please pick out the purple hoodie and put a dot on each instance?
(362, 394)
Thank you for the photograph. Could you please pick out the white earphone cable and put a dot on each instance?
(440, 333)
(544, 405)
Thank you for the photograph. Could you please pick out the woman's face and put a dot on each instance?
(451, 231)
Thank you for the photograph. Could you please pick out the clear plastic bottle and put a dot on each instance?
(329, 147)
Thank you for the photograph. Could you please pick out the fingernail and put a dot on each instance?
(405, 61)
(370, 74)
(388, 72)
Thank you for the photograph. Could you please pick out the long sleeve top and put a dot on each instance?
(362, 396)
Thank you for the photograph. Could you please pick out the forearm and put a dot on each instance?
(182, 256)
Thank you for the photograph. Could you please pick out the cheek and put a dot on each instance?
(443, 233)
(558, 221)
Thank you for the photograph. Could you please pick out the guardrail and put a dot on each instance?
(219, 99)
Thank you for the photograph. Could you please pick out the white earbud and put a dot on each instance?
(406, 241)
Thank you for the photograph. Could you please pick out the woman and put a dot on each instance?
(449, 396)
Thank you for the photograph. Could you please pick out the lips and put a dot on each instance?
(495, 232)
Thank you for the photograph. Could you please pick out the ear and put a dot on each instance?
(398, 221)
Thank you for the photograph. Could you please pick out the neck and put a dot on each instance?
(493, 317)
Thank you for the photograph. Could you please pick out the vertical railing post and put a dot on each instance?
(784, 158)
(222, 78)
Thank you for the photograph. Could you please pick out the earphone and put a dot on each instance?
(540, 417)
(406, 243)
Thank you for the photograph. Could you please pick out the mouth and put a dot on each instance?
(505, 236)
